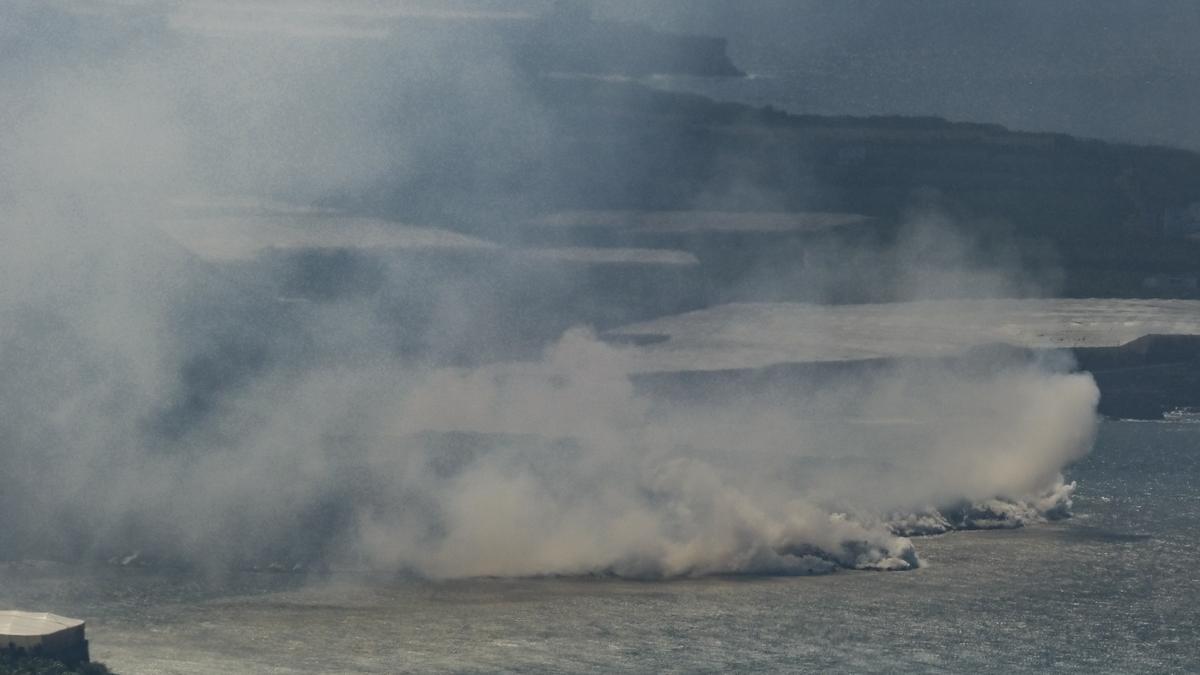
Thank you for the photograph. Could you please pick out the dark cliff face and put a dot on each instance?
(1094, 211)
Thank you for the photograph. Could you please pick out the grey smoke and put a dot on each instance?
(157, 400)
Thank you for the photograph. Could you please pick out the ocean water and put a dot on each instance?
(1020, 90)
(1115, 589)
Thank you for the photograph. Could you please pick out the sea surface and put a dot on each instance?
(1115, 589)
(1019, 89)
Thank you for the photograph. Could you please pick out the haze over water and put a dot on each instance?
(1112, 590)
(312, 361)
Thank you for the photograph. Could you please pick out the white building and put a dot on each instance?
(43, 634)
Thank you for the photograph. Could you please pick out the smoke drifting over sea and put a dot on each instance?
(450, 420)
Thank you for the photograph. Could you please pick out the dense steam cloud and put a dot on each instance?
(450, 419)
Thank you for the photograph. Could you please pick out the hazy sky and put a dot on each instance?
(1113, 69)
(1116, 69)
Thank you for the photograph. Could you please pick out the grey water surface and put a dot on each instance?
(1115, 589)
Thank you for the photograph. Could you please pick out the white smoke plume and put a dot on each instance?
(153, 401)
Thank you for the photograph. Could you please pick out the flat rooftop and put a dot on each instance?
(33, 624)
